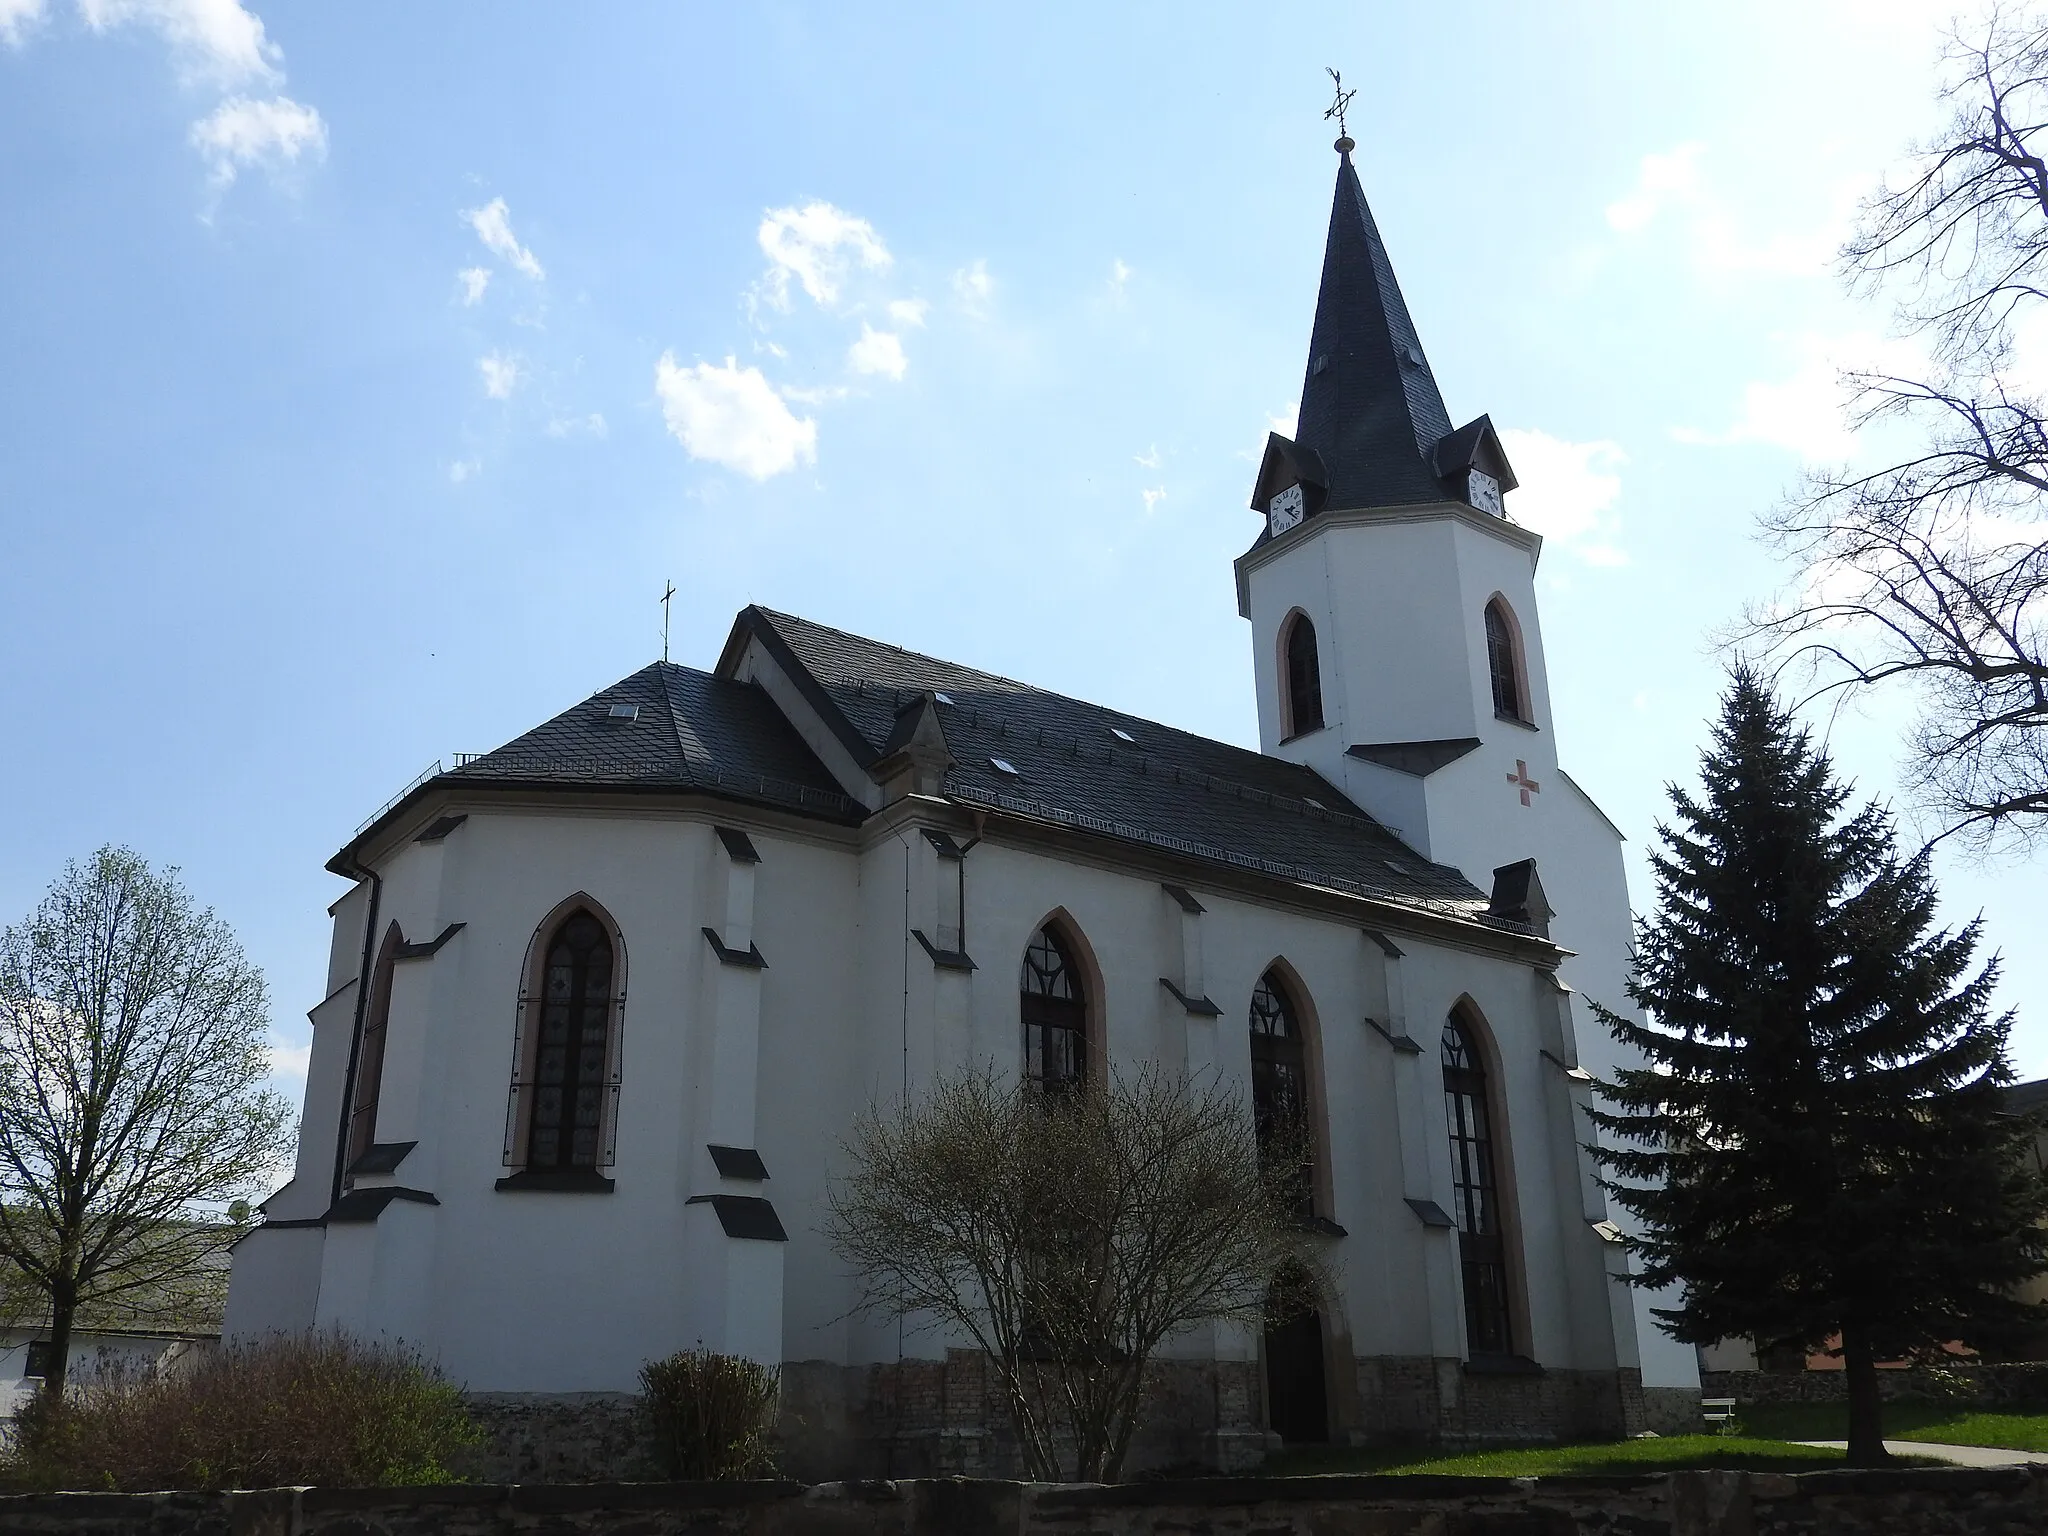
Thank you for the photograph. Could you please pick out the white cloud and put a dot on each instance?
(1149, 459)
(474, 281)
(1662, 181)
(16, 17)
(1567, 492)
(464, 469)
(493, 226)
(817, 244)
(972, 285)
(733, 416)
(877, 352)
(1119, 274)
(593, 425)
(212, 42)
(240, 133)
(1153, 497)
(1805, 411)
(501, 374)
(288, 1060)
(1671, 187)
(1287, 422)
(908, 311)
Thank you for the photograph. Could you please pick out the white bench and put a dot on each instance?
(1718, 1410)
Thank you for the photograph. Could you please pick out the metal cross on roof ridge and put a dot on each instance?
(1343, 100)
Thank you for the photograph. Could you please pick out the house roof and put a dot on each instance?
(688, 730)
(1070, 762)
(1102, 770)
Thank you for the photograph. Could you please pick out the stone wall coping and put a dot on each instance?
(1847, 1502)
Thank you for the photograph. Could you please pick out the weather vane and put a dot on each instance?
(671, 592)
(1343, 100)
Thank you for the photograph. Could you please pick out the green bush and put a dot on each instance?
(319, 1408)
(710, 1415)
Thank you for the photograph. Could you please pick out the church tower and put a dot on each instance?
(1397, 649)
(1391, 598)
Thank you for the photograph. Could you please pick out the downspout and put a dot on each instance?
(355, 1044)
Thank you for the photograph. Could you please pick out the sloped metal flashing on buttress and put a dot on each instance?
(355, 1043)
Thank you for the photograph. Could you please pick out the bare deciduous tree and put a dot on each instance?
(132, 1044)
(1069, 1236)
(1933, 571)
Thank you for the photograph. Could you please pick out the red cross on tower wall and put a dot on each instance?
(1521, 780)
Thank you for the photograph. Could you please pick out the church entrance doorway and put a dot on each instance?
(1297, 1404)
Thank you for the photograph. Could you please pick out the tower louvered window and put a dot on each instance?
(1476, 1201)
(1055, 1015)
(1304, 678)
(569, 1054)
(1501, 662)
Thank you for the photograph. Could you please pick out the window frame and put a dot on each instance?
(522, 1099)
(1040, 1013)
(366, 1092)
(1505, 662)
(1292, 689)
(1482, 1205)
(1276, 1055)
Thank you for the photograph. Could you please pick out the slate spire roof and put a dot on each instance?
(1370, 407)
(1373, 430)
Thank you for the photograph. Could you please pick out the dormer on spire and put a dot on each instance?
(1372, 422)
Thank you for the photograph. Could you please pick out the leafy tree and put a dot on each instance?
(1815, 1148)
(1069, 1235)
(132, 1044)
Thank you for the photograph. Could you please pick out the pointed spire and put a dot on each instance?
(1370, 408)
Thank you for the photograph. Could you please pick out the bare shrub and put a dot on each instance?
(711, 1415)
(1069, 1236)
(289, 1409)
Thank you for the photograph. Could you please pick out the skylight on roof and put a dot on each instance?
(624, 712)
(944, 698)
(1003, 765)
(1122, 735)
(1312, 800)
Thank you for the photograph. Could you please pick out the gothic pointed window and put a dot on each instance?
(1280, 1088)
(572, 1038)
(1503, 664)
(1055, 1014)
(1475, 1194)
(369, 1063)
(1304, 678)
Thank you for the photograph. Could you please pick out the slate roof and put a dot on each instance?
(1165, 787)
(1373, 412)
(693, 731)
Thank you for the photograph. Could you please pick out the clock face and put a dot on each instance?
(1483, 491)
(1284, 510)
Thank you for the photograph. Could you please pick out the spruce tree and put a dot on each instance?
(1815, 1149)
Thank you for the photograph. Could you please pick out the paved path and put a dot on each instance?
(1961, 1455)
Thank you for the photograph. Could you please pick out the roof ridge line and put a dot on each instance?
(675, 729)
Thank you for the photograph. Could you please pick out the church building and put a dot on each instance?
(603, 1004)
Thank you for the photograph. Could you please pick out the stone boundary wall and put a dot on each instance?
(2019, 1381)
(1955, 1501)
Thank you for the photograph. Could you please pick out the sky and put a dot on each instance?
(370, 369)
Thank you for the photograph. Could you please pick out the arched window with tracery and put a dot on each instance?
(1475, 1190)
(1054, 1007)
(369, 1064)
(1504, 664)
(1304, 678)
(562, 1121)
(1280, 1087)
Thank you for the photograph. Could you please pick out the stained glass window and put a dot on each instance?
(1055, 1014)
(1280, 1086)
(569, 1053)
(1475, 1201)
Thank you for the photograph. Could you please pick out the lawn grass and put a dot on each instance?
(2019, 1429)
(1671, 1453)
